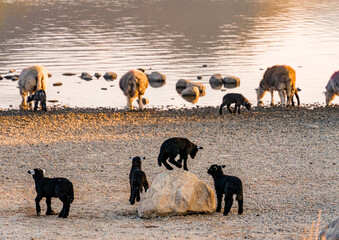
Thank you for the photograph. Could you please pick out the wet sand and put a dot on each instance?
(287, 159)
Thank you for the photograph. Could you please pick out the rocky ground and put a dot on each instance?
(287, 159)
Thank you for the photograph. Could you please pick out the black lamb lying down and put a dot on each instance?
(236, 98)
(228, 185)
(137, 180)
(174, 146)
(38, 96)
(60, 188)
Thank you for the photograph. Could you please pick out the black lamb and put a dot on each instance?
(174, 146)
(236, 98)
(60, 188)
(228, 185)
(137, 180)
(38, 96)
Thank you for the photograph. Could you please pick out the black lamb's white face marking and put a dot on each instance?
(200, 147)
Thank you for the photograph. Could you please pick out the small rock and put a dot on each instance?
(1, 77)
(97, 75)
(52, 101)
(8, 77)
(14, 78)
(110, 76)
(69, 74)
(57, 84)
(199, 77)
(49, 75)
(103, 88)
(205, 65)
(156, 77)
(145, 101)
(11, 71)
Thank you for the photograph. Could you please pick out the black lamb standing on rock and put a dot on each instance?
(228, 185)
(137, 180)
(236, 98)
(39, 96)
(60, 188)
(174, 146)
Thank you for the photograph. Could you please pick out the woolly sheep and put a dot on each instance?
(60, 188)
(31, 79)
(332, 88)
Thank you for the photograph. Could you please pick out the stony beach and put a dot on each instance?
(287, 159)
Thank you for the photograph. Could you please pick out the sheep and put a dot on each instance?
(38, 96)
(279, 78)
(31, 79)
(60, 188)
(174, 146)
(134, 84)
(236, 98)
(137, 180)
(228, 185)
(332, 88)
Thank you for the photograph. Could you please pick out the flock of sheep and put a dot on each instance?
(134, 83)
(281, 78)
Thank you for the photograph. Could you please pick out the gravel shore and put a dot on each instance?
(287, 159)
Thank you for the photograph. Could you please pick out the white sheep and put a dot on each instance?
(134, 84)
(31, 79)
(332, 88)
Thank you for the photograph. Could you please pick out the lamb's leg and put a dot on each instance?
(229, 109)
(240, 206)
(146, 186)
(43, 106)
(66, 209)
(62, 212)
(37, 205)
(172, 160)
(133, 196)
(166, 164)
(49, 207)
(228, 204)
(219, 199)
(130, 197)
(185, 164)
(36, 102)
(138, 195)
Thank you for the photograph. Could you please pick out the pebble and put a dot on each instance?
(57, 84)
(49, 75)
(1, 77)
(199, 77)
(205, 65)
(14, 78)
(69, 74)
(11, 71)
(97, 75)
(103, 88)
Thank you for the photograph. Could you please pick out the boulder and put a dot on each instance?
(110, 76)
(156, 77)
(182, 83)
(191, 91)
(97, 75)
(86, 76)
(1, 77)
(331, 231)
(201, 87)
(231, 80)
(176, 192)
(216, 81)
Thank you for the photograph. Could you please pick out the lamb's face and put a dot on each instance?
(215, 170)
(248, 106)
(37, 173)
(194, 151)
(136, 161)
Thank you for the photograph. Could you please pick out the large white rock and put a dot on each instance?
(191, 91)
(331, 232)
(176, 192)
(201, 87)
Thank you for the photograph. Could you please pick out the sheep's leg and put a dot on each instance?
(23, 104)
(219, 199)
(130, 103)
(141, 106)
(49, 207)
(228, 204)
(138, 194)
(166, 164)
(282, 97)
(229, 109)
(43, 106)
(172, 160)
(130, 197)
(272, 97)
(37, 205)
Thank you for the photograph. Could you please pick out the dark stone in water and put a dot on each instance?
(110, 76)
(199, 77)
(57, 84)
(49, 75)
(205, 65)
(103, 88)
(11, 71)
(14, 78)
(8, 77)
(52, 101)
(1, 77)
(97, 75)
(69, 74)
(86, 76)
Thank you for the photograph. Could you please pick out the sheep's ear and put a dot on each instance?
(31, 172)
(200, 147)
(223, 166)
(43, 171)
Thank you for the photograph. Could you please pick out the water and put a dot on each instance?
(175, 37)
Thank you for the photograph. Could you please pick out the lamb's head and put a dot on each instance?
(32, 98)
(247, 104)
(194, 151)
(136, 161)
(37, 173)
(215, 170)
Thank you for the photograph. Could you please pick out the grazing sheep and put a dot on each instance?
(332, 88)
(137, 180)
(60, 188)
(134, 84)
(174, 146)
(32, 79)
(38, 96)
(228, 185)
(236, 98)
(279, 78)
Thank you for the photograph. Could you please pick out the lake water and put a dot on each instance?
(175, 37)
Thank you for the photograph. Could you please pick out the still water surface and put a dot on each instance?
(175, 37)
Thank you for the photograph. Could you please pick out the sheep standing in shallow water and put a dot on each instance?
(137, 180)
(38, 96)
(228, 185)
(32, 79)
(279, 78)
(134, 84)
(236, 98)
(174, 146)
(332, 88)
(60, 188)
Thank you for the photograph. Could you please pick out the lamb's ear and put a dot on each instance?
(43, 171)
(200, 147)
(130, 158)
(142, 158)
(31, 172)
(223, 166)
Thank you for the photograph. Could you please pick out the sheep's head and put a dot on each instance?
(136, 161)
(260, 94)
(37, 173)
(215, 170)
(194, 151)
